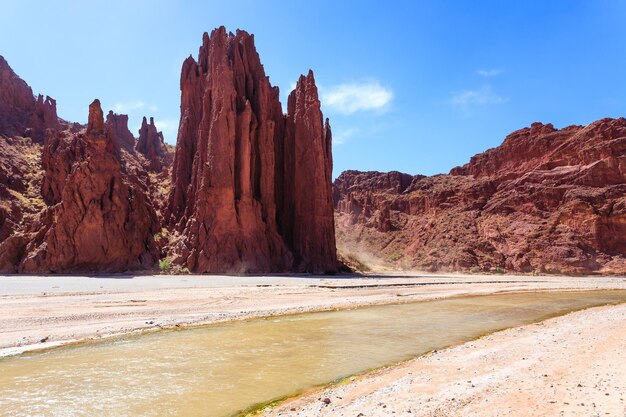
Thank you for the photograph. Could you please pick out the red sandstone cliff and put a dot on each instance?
(546, 200)
(307, 210)
(98, 219)
(250, 187)
(233, 201)
(119, 132)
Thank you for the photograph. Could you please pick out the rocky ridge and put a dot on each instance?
(545, 201)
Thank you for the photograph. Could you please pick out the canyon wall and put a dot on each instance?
(545, 201)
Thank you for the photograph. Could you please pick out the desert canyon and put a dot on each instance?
(160, 254)
(247, 189)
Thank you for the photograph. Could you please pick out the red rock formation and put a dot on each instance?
(117, 124)
(151, 145)
(98, 219)
(20, 180)
(546, 200)
(17, 103)
(307, 212)
(20, 114)
(229, 183)
(44, 121)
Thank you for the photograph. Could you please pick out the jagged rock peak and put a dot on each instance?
(44, 122)
(95, 121)
(17, 103)
(99, 217)
(232, 195)
(308, 206)
(117, 125)
(151, 144)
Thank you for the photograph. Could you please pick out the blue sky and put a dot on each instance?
(415, 86)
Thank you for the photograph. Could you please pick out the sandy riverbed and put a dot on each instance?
(536, 368)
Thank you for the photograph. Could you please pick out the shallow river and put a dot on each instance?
(223, 369)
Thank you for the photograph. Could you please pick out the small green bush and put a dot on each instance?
(165, 264)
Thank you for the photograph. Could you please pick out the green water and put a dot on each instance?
(220, 370)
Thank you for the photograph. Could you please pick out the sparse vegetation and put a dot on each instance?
(165, 265)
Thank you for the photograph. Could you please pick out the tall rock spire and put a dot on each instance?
(99, 219)
(229, 180)
(117, 125)
(308, 223)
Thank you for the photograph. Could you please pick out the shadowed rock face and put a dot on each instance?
(20, 113)
(307, 211)
(546, 200)
(233, 186)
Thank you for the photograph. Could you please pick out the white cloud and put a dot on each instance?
(483, 96)
(342, 135)
(489, 73)
(125, 107)
(354, 97)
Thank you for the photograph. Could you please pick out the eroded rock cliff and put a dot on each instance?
(151, 144)
(545, 201)
(97, 218)
(249, 188)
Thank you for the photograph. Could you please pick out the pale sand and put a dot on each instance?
(533, 370)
